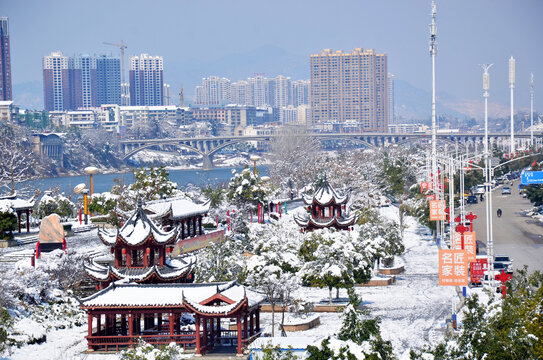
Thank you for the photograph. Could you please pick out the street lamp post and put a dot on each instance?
(488, 177)
(254, 159)
(531, 110)
(512, 87)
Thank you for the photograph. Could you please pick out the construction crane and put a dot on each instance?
(121, 46)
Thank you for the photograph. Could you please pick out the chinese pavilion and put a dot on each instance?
(326, 208)
(139, 250)
(123, 313)
(152, 298)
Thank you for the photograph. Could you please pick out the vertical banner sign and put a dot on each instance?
(437, 210)
(453, 268)
(470, 246)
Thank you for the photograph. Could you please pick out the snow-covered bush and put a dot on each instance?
(145, 351)
(246, 189)
(102, 203)
(54, 204)
(8, 221)
(6, 324)
(359, 337)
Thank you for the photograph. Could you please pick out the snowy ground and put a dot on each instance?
(413, 311)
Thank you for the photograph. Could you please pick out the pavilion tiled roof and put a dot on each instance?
(189, 296)
(325, 196)
(138, 230)
(340, 222)
(176, 208)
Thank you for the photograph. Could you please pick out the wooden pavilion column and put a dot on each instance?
(131, 327)
(27, 220)
(251, 323)
(200, 225)
(212, 332)
(90, 324)
(182, 229)
(128, 258)
(171, 325)
(245, 326)
(159, 321)
(19, 220)
(238, 320)
(204, 340)
(123, 324)
(99, 324)
(197, 325)
(257, 320)
(161, 256)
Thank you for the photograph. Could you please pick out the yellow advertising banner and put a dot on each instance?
(453, 268)
(437, 210)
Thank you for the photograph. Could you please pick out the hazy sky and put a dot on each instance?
(187, 33)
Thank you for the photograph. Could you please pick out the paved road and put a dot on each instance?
(516, 235)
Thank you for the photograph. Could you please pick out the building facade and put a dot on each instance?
(349, 87)
(146, 80)
(56, 82)
(5, 61)
(108, 80)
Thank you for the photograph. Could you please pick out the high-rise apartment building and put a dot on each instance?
(146, 80)
(299, 92)
(108, 80)
(82, 81)
(166, 91)
(56, 82)
(349, 87)
(282, 91)
(213, 91)
(257, 86)
(391, 99)
(125, 94)
(5, 61)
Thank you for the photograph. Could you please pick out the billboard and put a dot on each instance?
(453, 268)
(437, 210)
(531, 177)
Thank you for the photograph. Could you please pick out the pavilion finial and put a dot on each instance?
(140, 203)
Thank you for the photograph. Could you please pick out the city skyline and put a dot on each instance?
(220, 48)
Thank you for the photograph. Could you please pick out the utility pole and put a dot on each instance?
(488, 190)
(531, 110)
(433, 52)
(512, 87)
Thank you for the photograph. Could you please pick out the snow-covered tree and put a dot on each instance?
(246, 189)
(359, 337)
(336, 262)
(54, 204)
(222, 260)
(17, 163)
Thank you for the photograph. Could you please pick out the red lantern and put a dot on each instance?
(147, 251)
(124, 251)
(97, 287)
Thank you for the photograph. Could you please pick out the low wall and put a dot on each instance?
(198, 242)
(379, 282)
(311, 323)
(391, 271)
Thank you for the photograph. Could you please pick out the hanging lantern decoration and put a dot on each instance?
(123, 251)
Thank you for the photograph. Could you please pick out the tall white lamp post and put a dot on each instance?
(531, 110)
(512, 87)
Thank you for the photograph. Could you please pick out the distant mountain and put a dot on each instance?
(28, 95)
(412, 103)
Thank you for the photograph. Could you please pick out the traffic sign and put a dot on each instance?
(531, 177)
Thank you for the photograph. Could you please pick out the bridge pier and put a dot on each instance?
(207, 162)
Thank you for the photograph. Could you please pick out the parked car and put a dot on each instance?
(506, 190)
(505, 260)
(472, 199)
(480, 190)
(499, 267)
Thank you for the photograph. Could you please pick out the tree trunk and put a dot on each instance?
(273, 317)
(330, 291)
(337, 292)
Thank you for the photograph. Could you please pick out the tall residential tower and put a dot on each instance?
(5, 62)
(146, 80)
(349, 88)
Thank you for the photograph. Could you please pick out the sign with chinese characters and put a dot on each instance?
(531, 177)
(453, 268)
(470, 246)
(437, 210)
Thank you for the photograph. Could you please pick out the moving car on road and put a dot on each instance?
(506, 190)
(506, 261)
(472, 199)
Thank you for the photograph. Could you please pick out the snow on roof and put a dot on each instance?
(16, 203)
(325, 195)
(137, 230)
(178, 208)
(305, 221)
(164, 295)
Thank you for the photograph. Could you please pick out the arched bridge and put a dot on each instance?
(208, 146)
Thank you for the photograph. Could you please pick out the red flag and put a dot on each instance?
(533, 164)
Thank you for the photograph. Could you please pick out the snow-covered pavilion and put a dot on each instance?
(20, 207)
(179, 213)
(326, 208)
(139, 250)
(124, 312)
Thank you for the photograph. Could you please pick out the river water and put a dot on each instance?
(104, 182)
